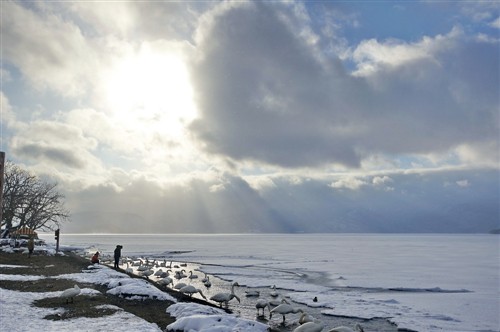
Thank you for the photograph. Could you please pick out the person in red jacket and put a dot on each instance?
(95, 258)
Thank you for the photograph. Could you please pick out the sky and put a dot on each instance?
(236, 116)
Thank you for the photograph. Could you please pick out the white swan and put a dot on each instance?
(166, 281)
(129, 269)
(284, 309)
(190, 290)
(179, 285)
(305, 318)
(147, 273)
(275, 303)
(310, 327)
(226, 297)
(262, 304)
(207, 282)
(70, 293)
(358, 328)
(274, 293)
(180, 274)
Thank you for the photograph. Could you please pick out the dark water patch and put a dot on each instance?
(428, 290)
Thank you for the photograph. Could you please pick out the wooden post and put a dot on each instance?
(57, 239)
(2, 169)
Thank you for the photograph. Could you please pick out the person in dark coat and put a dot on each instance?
(118, 254)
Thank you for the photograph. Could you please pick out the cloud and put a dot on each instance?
(274, 101)
(371, 56)
(352, 183)
(47, 50)
(496, 23)
(254, 116)
(419, 202)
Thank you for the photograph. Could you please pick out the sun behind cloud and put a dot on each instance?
(149, 87)
(149, 92)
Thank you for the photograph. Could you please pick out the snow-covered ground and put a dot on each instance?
(17, 312)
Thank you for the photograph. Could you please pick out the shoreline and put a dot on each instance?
(153, 311)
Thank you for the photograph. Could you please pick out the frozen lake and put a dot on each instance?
(419, 282)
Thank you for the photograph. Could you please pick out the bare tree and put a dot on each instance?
(31, 202)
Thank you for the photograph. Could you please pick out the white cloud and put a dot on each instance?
(371, 55)
(50, 53)
(352, 183)
(260, 183)
(496, 23)
(463, 183)
(481, 154)
(381, 180)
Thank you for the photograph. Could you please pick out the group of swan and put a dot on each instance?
(318, 327)
(280, 307)
(306, 321)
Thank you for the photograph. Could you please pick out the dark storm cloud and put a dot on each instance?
(61, 156)
(265, 94)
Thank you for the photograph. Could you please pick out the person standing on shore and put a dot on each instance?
(118, 254)
(31, 246)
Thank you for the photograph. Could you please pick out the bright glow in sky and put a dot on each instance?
(249, 116)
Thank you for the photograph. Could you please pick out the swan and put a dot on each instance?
(205, 278)
(166, 281)
(275, 303)
(207, 282)
(192, 276)
(284, 309)
(70, 293)
(142, 267)
(180, 274)
(252, 293)
(226, 297)
(147, 273)
(158, 273)
(305, 318)
(129, 269)
(179, 285)
(262, 304)
(358, 328)
(190, 290)
(274, 293)
(310, 327)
